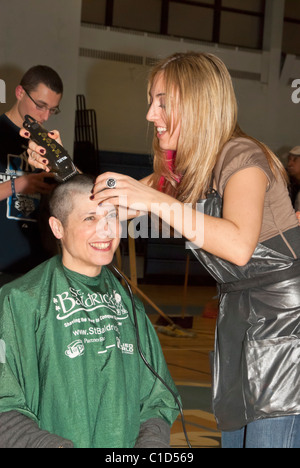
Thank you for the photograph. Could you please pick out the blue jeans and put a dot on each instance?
(266, 433)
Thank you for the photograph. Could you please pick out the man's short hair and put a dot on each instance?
(42, 74)
(61, 203)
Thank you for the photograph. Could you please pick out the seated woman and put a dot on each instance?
(70, 371)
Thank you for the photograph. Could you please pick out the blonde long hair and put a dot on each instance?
(199, 94)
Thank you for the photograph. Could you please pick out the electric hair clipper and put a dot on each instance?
(59, 160)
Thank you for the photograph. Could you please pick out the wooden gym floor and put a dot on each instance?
(188, 359)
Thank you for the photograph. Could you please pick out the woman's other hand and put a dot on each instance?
(36, 153)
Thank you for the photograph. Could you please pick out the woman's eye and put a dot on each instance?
(162, 104)
(112, 215)
(90, 218)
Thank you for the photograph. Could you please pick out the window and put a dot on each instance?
(232, 22)
(137, 14)
(93, 11)
(291, 28)
(254, 6)
(190, 21)
(241, 30)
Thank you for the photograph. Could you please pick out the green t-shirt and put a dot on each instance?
(69, 358)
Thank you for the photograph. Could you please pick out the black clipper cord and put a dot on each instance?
(145, 360)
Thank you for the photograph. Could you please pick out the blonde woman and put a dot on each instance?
(227, 194)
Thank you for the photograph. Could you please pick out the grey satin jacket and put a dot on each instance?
(256, 365)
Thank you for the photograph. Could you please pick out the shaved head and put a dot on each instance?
(62, 199)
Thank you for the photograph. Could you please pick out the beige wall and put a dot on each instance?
(113, 69)
(42, 32)
(110, 68)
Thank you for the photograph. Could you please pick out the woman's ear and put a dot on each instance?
(56, 227)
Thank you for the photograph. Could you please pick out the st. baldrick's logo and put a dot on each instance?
(73, 301)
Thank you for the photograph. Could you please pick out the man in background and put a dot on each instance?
(293, 169)
(21, 187)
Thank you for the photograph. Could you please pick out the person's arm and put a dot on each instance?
(147, 180)
(233, 237)
(27, 184)
(5, 190)
(19, 431)
(154, 433)
(19, 378)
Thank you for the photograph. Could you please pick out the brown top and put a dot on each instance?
(240, 153)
